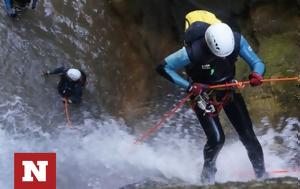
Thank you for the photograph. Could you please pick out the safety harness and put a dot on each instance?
(209, 103)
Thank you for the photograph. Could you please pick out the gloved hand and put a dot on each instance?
(45, 73)
(195, 88)
(67, 101)
(255, 79)
(11, 12)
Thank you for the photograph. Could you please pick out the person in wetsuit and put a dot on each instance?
(209, 57)
(11, 5)
(71, 84)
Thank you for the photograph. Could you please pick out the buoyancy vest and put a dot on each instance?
(205, 67)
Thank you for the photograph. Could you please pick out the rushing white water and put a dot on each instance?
(101, 154)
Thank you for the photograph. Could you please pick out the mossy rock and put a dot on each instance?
(275, 18)
(281, 55)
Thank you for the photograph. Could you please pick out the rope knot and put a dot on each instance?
(239, 85)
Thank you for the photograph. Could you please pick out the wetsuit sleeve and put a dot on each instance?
(171, 64)
(59, 71)
(254, 62)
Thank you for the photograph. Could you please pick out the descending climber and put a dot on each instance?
(71, 84)
(209, 55)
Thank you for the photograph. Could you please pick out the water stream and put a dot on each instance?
(100, 153)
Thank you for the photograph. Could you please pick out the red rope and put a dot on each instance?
(69, 123)
(171, 113)
(159, 124)
(242, 84)
(284, 171)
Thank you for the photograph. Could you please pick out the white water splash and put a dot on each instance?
(107, 158)
(234, 165)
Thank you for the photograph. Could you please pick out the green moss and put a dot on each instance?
(281, 54)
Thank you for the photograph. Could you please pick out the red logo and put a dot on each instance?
(35, 171)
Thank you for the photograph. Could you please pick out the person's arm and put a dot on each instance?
(57, 71)
(9, 8)
(172, 63)
(249, 56)
(34, 2)
(256, 65)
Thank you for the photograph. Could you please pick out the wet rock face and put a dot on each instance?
(268, 19)
(283, 183)
(155, 29)
(159, 15)
(276, 30)
(147, 23)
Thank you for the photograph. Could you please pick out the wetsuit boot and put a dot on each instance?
(208, 173)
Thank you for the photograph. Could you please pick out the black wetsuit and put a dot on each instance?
(204, 67)
(67, 88)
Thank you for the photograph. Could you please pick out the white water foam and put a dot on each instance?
(107, 157)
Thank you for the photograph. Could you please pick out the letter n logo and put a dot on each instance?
(35, 171)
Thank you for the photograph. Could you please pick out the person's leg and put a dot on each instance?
(237, 113)
(215, 141)
(9, 7)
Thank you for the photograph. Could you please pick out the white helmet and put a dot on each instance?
(74, 74)
(220, 40)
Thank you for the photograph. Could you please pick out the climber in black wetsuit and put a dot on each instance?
(11, 5)
(209, 57)
(71, 84)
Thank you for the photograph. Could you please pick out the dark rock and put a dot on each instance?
(271, 19)
(153, 29)
(280, 183)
